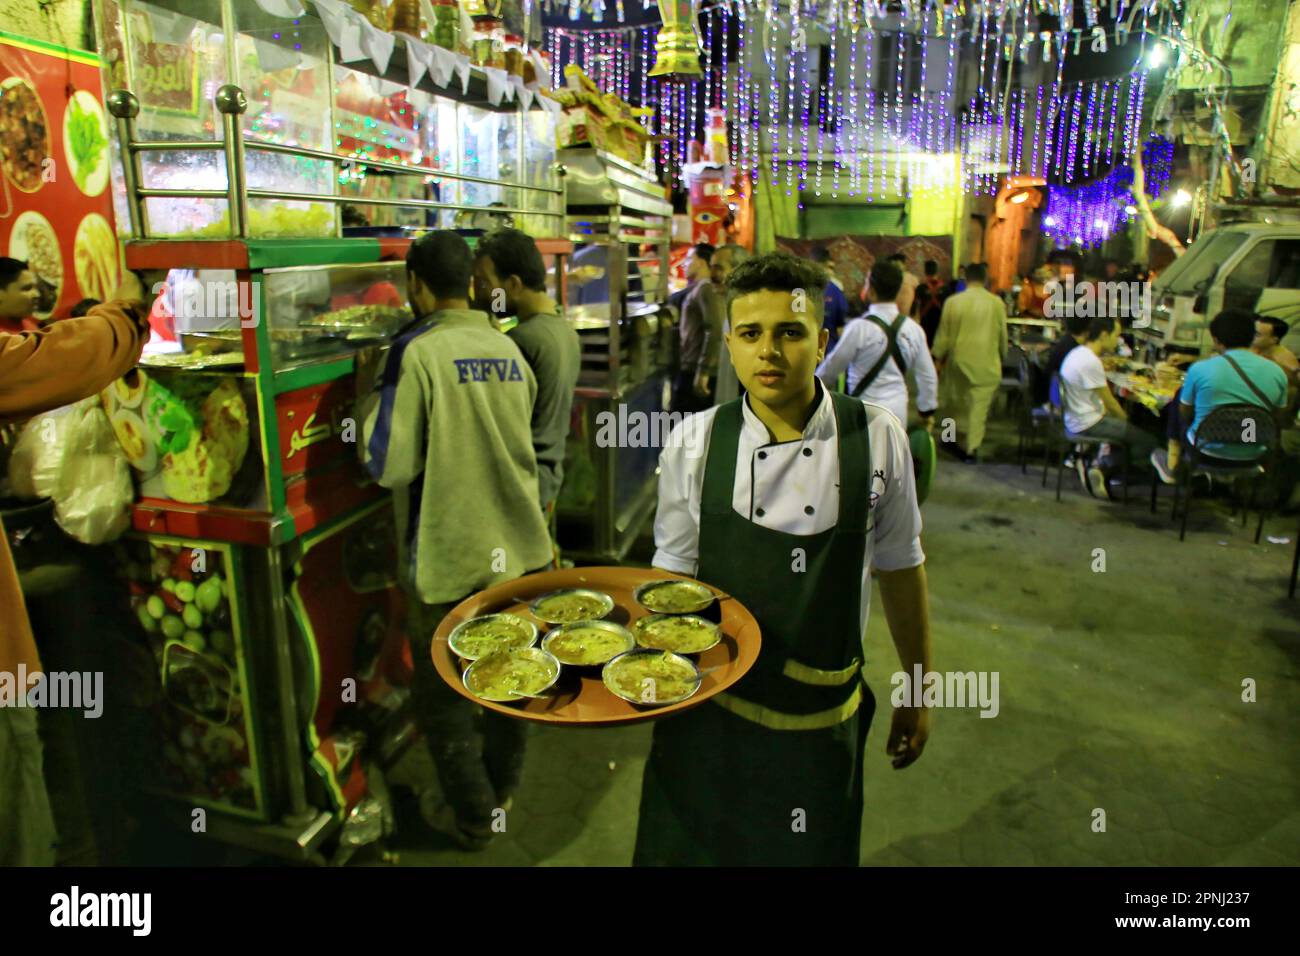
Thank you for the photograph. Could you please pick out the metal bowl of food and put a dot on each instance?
(480, 636)
(588, 643)
(674, 596)
(680, 633)
(651, 678)
(508, 677)
(572, 605)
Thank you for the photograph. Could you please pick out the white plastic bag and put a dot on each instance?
(36, 464)
(94, 495)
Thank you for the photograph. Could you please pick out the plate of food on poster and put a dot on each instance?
(85, 142)
(34, 241)
(24, 134)
(56, 207)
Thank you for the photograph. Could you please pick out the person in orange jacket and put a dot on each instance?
(39, 371)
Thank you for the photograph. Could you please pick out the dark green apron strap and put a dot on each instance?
(892, 350)
(720, 466)
(855, 459)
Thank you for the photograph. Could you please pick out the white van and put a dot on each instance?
(1253, 266)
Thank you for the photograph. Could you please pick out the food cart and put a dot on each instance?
(261, 560)
(619, 217)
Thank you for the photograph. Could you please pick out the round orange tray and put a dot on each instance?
(579, 697)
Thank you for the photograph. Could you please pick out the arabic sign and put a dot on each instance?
(314, 425)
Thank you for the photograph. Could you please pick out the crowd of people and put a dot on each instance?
(937, 351)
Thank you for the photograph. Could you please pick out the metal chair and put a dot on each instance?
(1223, 430)
(1033, 419)
(1059, 437)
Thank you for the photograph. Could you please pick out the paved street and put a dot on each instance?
(1119, 690)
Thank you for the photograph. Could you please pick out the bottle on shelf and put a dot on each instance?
(404, 17)
(445, 29)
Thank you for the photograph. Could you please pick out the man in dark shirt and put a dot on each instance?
(836, 305)
(510, 279)
(696, 267)
(703, 316)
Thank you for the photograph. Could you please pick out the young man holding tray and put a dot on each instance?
(447, 429)
(770, 772)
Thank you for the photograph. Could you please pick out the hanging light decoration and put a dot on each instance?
(677, 46)
(862, 114)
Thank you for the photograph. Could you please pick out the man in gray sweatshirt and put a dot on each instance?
(447, 429)
(510, 279)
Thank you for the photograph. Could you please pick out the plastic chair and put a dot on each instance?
(1059, 437)
(1222, 429)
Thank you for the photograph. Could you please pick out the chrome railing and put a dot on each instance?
(231, 103)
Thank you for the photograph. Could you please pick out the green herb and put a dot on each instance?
(87, 140)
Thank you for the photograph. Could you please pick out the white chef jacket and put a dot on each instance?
(861, 345)
(792, 487)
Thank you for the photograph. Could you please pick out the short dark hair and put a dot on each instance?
(886, 280)
(443, 262)
(1234, 328)
(931, 267)
(821, 254)
(513, 253)
(1280, 328)
(976, 272)
(897, 257)
(82, 307)
(778, 272)
(1100, 325)
(10, 270)
(705, 251)
(1077, 324)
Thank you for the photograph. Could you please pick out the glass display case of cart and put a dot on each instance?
(377, 120)
(173, 55)
(194, 421)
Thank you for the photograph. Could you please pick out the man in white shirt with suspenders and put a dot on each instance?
(880, 349)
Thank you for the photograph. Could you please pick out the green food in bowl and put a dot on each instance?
(528, 671)
(651, 677)
(568, 607)
(587, 644)
(684, 634)
(675, 597)
(481, 636)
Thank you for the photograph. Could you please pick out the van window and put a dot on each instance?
(1273, 264)
(1191, 273)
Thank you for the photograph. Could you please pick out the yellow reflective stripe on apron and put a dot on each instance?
(811, 675)
(775, 720)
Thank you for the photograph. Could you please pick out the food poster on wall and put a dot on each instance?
(185, 596)
(187, 435)
(56, 210)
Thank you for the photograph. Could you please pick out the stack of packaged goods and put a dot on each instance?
(600, 120)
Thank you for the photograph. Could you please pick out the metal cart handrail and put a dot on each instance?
(231, 103)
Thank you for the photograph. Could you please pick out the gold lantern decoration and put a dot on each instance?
(677, 48)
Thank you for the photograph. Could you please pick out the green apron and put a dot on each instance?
(770, 773)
